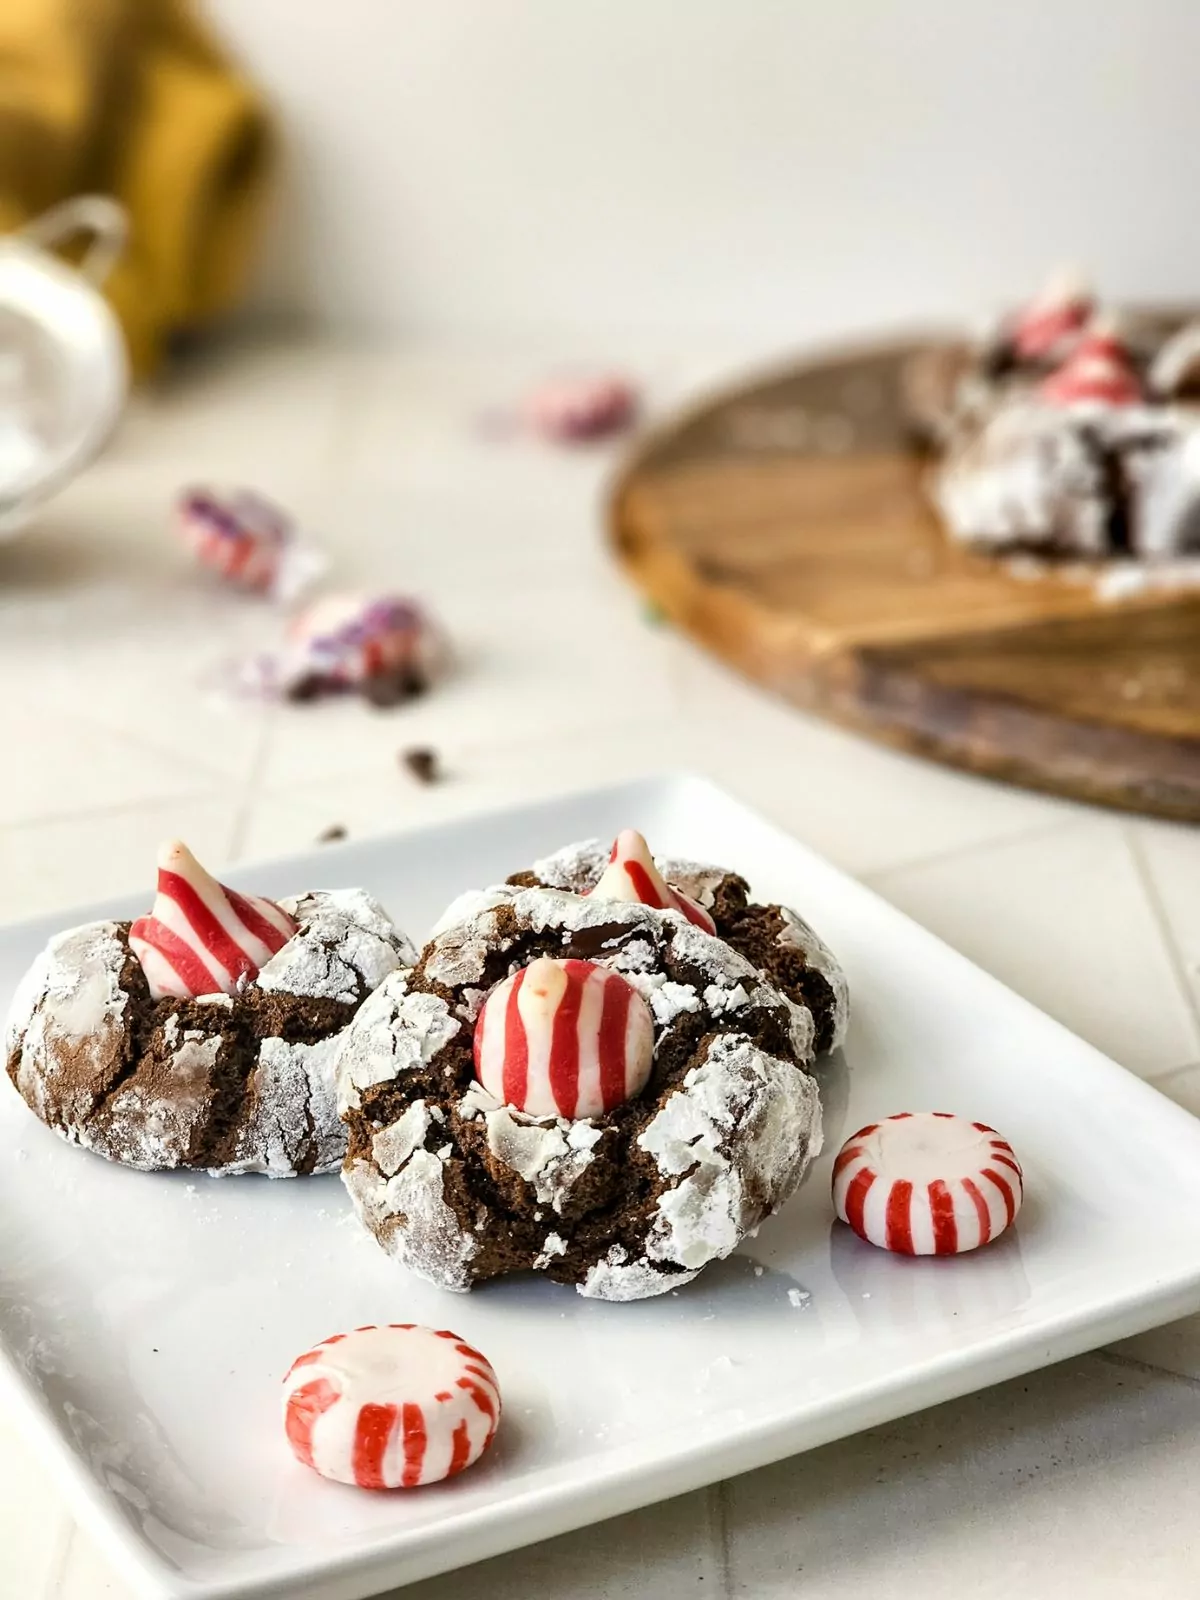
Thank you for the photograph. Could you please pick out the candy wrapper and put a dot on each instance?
(573, 410)
(385, 648)
(248, 542)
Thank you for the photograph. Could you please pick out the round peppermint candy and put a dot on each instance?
(927, 1183)
(564, 1038)
(631, 874)
(391, 1407)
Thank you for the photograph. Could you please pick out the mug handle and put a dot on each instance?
(94, 214)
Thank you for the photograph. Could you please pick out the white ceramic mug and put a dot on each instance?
(63, 370)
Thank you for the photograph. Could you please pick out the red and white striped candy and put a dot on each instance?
(927, 1183)
(1097, 370)
(200, 937)
(564, 1038)
(572, 409)
(349, 639)
(632, 875)
(1051, 320)
(391, 1407)
(242, 538)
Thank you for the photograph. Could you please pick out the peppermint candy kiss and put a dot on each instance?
(1049, 322)
(632, 875)
(392, 1407)
(564, 1038)
(1097, 370)
(927, 1183)
(200, 937)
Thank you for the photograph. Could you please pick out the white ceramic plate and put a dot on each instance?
(146, 1320)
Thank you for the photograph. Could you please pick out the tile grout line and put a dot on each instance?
(1114, 1358)
(194, 768)
(874, 876)
(718, 1524)
(252, 787)
(1158, 1079)
(118, 808)
(1163, 923)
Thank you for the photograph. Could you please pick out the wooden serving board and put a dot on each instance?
(784, 525)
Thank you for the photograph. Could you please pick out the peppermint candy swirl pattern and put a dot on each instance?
(564, 1038)
(927, 1183)
(200, 937)
(391, 1407)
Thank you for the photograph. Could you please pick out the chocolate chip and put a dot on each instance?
(423, 763)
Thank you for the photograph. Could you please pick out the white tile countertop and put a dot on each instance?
(1081, 1479)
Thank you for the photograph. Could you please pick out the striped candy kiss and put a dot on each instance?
(1050, 321)
(564, 1038)
(200, 937)
(632, 875)
(391, 1407)
(1097, 370)
(927, 1183)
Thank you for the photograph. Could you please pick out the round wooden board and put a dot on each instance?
(784, 525)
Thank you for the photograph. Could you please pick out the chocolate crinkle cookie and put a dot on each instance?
(776, 940)
(227, 1083)
(711, 1131)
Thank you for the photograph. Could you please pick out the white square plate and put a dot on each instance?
(146, 1320)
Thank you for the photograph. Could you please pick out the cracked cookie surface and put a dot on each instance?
(777, 940)
(223, 1083)
(624, 1205)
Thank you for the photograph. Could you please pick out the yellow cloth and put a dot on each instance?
(132, 98)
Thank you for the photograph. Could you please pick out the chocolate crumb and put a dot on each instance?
(331, 834)
(423, 763)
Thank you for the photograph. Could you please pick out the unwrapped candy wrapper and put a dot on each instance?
(385, 648)
(248, 542)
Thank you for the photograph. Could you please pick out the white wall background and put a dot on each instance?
(722, 164)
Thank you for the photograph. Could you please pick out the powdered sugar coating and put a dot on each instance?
(152, 1130)
(730, 1142)
(742, 1130)
(458, 956)
(1039, 478)
(346, 946)
(150, 1103)
(699, 880)
(409, 1216)
(550, 1155)
(69, 1001)
(620, 1279)
(394, 1032)
(801, 936)
(293, 1107)
(576, 868)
